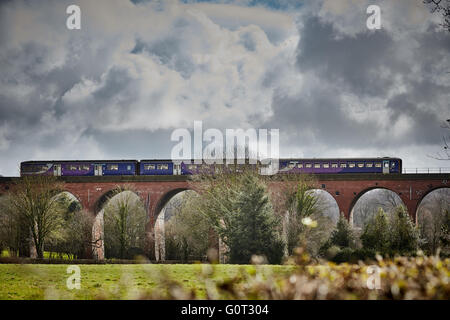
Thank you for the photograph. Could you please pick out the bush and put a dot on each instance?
(403, 234)
(376, 233)
(396, 235)
(343, 255)
(341, 237)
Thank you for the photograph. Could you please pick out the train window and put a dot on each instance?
(149, 167)
(369, 165)
(326, 165)
(112, 167)
(85, 167)
(377, 164)
(33, 168)
(308, 165)
(351, 165)
(316, 165)
(360, 165)
(163, 166)
(334, 165)
(73, 168)
(192, 166)
(291, 165)
(343, 165)
(128, 167)
(299, 165)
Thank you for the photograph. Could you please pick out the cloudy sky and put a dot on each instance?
(137, 70)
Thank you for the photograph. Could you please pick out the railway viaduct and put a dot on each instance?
(156, 191)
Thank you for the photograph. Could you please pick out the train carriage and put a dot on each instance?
(80, 168)
(158, 167)
(340, 165)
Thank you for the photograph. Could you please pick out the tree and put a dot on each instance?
(254, 229)
(14, 234)
(391, 234)
(300, 204)
(371, 202)
(442, 7)
(343, 235)
(433, 219)
(124, 225)
(376, 233)
(341, 243)
(33, 200)
(238, 207)
(445, 153)
(404, 235)
(187, 231)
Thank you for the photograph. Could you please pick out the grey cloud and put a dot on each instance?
(44, 122)
(168, 51)
(336, 66)
(353, 61)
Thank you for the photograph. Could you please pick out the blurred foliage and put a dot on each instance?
(400, 278)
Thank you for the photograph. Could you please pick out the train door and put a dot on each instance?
(385, 166)
(98, 170)
(177, 169)
(56, 169)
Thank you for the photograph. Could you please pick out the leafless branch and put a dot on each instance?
(442, 7)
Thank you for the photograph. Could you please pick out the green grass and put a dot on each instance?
(47, 255)
(44, 281)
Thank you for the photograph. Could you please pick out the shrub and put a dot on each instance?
(341, 237)
(376, 233)
(403, 234)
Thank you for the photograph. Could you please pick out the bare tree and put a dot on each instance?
(433, 218)
(187, 230)
(14, 235)
(442, 7)
(33, 200)
(444, 154)
(124, 224)
(369, 204)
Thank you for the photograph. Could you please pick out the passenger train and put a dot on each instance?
(168, 167)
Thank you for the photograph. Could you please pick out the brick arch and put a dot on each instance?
(77, 197)
(97, 225)
(419, 201)
(363, 192)
(165, 198)
(330, 196)
(107, 195)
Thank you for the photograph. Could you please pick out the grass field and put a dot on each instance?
(39, 281)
